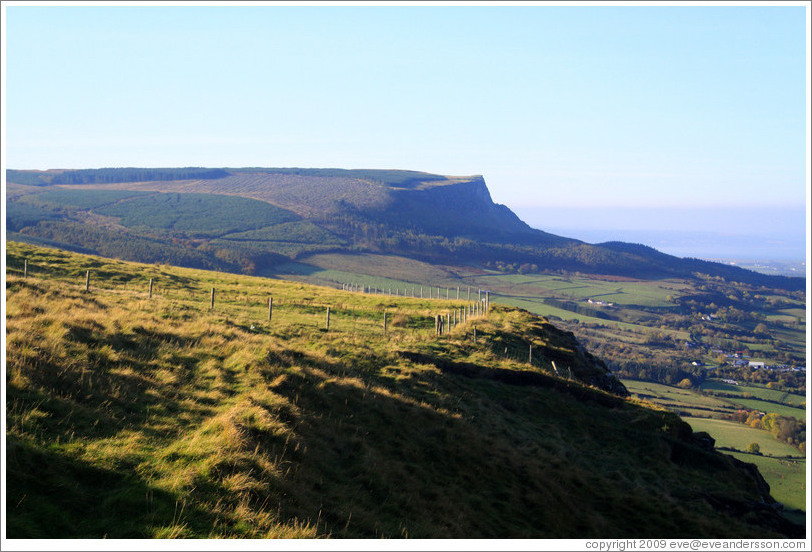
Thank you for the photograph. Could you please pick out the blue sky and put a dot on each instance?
(644, 106)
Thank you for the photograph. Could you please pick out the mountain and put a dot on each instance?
(187, 216)
(141, 404)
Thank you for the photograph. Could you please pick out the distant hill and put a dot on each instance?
(186, 216)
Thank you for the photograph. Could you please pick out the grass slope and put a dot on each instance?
(786, 476)
(131, 416)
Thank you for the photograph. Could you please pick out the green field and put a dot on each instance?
(780, 409)
(679, 400)
(643, 293)
(739, 436)
(390, 267)
(753, 391)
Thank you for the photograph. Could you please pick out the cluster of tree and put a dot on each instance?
(774, 379)
(20, 214)
(784, 428)
(117, 244)
(667, 375)
(112, 175)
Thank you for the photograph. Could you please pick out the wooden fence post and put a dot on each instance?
(87, 281)
(469, 294)
(270, 308)
(25, 268)
(328, 318)
(212, 297)
(530, 356)
(458, 292)
(384, 322)
(150, 288)
(474, 334)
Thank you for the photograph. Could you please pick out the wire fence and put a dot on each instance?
(188, 294)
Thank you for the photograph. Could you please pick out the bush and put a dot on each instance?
(754, 448)
(686, 383)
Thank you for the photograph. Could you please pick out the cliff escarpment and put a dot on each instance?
(443, 219)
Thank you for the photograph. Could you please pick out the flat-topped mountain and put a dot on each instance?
(249, 219)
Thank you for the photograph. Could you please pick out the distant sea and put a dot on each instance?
(744, 236)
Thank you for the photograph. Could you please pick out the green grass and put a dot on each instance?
(753, 391)
(389, 267)
(643, 293)
(780, 409)
(738, 436)
(679, 400)
(787, 479)
(138, 417)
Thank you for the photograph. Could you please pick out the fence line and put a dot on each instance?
(412, 292)
(444, 322)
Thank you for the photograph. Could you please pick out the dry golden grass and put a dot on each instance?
(164, 418)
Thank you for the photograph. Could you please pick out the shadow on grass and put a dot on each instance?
(54, 496)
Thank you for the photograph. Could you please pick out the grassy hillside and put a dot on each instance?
(781, 464)
(137, 416)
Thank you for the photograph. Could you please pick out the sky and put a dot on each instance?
(558, 107)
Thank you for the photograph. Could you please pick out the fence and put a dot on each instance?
(444, 321)
(332, 316)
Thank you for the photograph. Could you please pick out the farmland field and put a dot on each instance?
(738, 436)
(780, 409)
(753, 391)
(648, 294)
(679, 400)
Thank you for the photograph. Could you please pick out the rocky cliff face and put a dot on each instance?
(458, 208)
